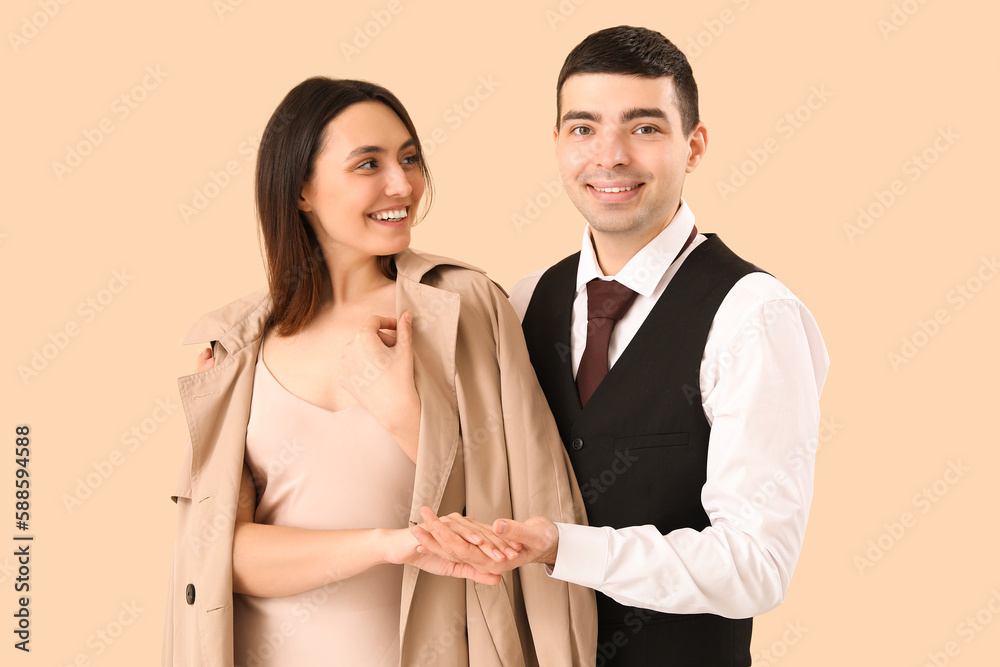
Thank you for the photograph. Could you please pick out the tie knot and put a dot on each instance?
(608, 299)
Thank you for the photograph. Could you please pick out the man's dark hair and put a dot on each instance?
(638, 52)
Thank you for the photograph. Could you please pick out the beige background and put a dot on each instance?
(891, 429)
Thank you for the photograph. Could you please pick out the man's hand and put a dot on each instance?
(533, 541)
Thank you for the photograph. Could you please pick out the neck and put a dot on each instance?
(615, 249)
(352, 280)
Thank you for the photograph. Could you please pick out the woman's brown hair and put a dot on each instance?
(293, 138)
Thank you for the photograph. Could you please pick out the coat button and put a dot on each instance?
(577, 444)
(189, 593)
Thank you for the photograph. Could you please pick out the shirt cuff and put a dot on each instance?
(582, 557)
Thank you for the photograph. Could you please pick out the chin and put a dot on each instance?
(614, 224)
(393, 248)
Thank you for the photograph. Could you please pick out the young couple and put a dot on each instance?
(372, 388)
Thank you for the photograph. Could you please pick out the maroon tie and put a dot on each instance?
(607, 302)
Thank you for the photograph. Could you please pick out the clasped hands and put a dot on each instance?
(490, 549)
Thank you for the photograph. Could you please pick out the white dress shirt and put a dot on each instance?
(761, 376)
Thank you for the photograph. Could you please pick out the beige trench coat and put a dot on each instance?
(488, 445)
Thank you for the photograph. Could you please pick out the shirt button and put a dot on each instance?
(577, 444)
(189, 593)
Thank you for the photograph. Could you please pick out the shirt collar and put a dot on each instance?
(644, 271)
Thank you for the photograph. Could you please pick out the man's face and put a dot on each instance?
(622, 152)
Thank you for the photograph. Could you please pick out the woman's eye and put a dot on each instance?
(411, 159)
(368, 164)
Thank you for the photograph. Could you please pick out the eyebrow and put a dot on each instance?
(581, 115)
(378, 150)
(627, 116)
(643, 112)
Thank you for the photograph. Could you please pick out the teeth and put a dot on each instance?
(389, 215)
(631, 187)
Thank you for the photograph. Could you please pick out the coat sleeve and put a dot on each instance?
(562, 617)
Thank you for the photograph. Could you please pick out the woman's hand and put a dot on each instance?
(533, 541)
(475, 533)
(377, 369)
(401, 547)
(205, 360)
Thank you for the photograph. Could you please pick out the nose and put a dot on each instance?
(610, 150)
(397, 184)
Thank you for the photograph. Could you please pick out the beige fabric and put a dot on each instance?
(487, 443)
(318, 469)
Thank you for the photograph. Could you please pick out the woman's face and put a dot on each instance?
(366, 185)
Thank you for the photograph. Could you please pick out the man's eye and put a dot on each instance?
(581, 129)
(646, 129)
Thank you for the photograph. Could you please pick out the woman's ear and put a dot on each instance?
(304, 195)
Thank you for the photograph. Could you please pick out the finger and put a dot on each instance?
(429, 544)
(499, 546)
(470, 535)
(515, 532)
(450, 547)
(456, 546)
(205, 360)
(387, 338)
(376, 322)
(427, 514)
(374, 326)
(479, 534)
(404, 332)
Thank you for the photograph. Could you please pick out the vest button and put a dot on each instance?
(189, 593)
(577, 444)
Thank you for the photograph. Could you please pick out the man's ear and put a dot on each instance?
(697, 146)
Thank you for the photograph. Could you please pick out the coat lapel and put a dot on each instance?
(435, 331)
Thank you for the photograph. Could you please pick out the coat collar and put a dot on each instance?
(208, 396)
(237, 324)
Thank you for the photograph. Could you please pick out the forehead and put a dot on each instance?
(609, 93)
(365, 124)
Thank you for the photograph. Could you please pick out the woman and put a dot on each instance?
(316, 436)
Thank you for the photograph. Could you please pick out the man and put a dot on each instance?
(689, 402)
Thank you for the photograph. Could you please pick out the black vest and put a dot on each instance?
(640, 448)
